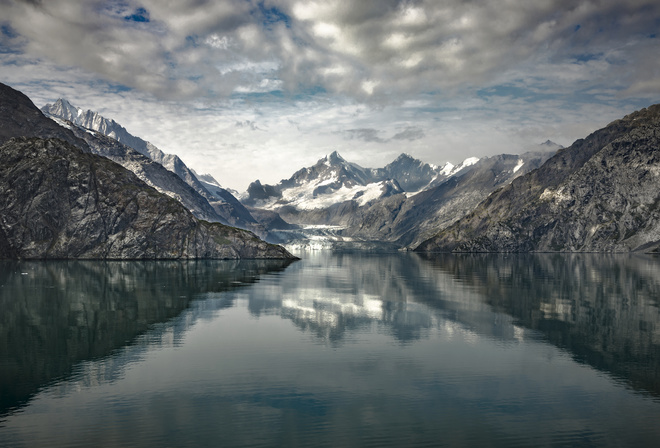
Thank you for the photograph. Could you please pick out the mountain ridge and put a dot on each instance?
(222, 205)
(598, 195)
(59, 200)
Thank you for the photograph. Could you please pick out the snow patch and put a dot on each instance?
(61, 122)
(520, 164)
(447, 169)
(469, 162)
(303, 197)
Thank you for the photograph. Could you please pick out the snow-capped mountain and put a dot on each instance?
(93, 120)
(332, 180)
(338, 203)
(410, 173)
(216, 205)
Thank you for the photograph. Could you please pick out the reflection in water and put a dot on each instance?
(604, 309)
(334, 350)
(55, 314)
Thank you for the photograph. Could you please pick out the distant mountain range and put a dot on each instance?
(401, 204)
(59, 200)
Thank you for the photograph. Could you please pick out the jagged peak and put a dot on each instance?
(64, 102)
(332, 159)
(64, 105)
(550, 144)
(404, 156)
(334, 156)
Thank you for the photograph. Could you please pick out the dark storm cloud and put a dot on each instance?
(366, 135)
(410, 134)
(373, 135)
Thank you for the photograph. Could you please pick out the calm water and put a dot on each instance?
(334, 350)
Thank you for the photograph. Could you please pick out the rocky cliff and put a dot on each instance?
(60, 202)
(149, 171)
(600, 194)
(218, 205)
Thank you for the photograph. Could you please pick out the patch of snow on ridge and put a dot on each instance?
(303, 196)
(469, 162)
(520, 164)
(447, 169)
(61, 122)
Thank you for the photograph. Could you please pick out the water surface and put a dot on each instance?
(333, 350)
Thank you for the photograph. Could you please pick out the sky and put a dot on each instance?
(256, 89)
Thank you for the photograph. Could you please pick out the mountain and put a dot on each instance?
(149, 171)
(19, 117)
(226, 208)
(411, 174)
(408, 221)
(58, 200)
(341, 202)
(599, 194)
(332, 180)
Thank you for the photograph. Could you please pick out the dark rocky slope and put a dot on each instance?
(108, 138)
(152, 173)
(600, 194)
(60, 202)
(49, 211)
(20, 117)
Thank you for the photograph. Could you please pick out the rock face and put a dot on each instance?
(411, 174)
(19, 117)
(212, 206)
(59, 202)
(152, 173)
(600, 194)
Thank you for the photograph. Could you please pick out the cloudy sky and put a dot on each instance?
(255, 89)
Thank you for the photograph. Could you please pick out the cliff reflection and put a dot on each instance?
(56, 314)
(603, 309)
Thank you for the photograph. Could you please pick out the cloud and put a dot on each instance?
(372, 50)
(366, 135)
(410, 134)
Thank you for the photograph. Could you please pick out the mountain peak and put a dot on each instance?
(63, 109)
(404, 156)
(550, 144)
(334, 157)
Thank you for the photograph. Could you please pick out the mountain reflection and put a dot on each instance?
(603, 309)
(57, 314)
